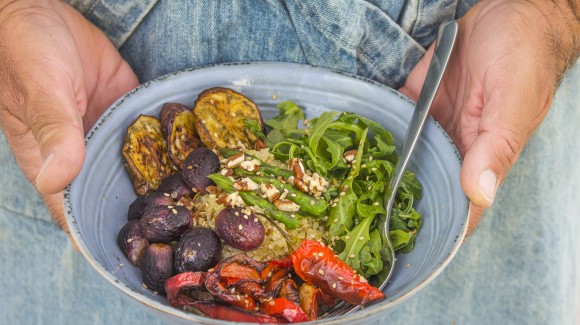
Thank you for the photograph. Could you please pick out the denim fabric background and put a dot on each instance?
(520, 267)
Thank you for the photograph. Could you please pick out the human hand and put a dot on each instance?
(507, 63)
(58, 73)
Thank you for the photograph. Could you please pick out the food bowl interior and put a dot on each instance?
(96, 202)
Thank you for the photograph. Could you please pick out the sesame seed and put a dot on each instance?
(166, 194)
(190, 167)
(361, 238)
(320, 271)
(144, 285)
(238, 297)
(255, 219)
(271, 302)
(174, 211)
(240, 227)
(335, 220)
(246, 216)
(334, 285)
(129, 240)
(340, 278)
(351, 256)
(342, 193)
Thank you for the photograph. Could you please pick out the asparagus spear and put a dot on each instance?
(308, 204)
(252, 199)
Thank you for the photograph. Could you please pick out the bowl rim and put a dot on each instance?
(79, 243)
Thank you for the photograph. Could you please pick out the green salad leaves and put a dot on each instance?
(356, 156)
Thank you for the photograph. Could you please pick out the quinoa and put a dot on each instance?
(275, 245)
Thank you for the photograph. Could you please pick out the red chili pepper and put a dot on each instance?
(318, 265)
(282, 307)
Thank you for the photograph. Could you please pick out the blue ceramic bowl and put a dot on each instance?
(96, 202)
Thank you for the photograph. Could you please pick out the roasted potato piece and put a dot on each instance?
(145, 154)
(225, 117)
(178, 126)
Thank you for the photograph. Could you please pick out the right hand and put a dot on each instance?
(58, 73)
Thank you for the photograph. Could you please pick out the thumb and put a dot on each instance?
(500, 137)
(58, 128)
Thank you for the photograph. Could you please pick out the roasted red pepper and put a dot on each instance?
(286, 309)
(318, 265)
(176, 285)
(219, 311)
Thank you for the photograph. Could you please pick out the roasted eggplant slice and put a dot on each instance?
(145, 154)
(225, 118)
(178, 126)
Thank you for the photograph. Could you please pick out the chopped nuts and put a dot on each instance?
(297, 167)
(286, 205)
(250, 165)
(349, 156)
(270, 191)
(246, 184)
(235, 160)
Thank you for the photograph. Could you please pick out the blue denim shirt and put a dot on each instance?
(377, 39)
(521, 267)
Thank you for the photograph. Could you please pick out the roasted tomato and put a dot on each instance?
(145, 154)
(225, 118)
(178, 126)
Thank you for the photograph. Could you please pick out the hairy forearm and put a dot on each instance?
(563, 22)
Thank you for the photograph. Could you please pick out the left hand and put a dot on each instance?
(507, 63)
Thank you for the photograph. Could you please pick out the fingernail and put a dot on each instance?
(40, 177)
(488, 185)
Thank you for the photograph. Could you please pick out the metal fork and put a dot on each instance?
(443, 48)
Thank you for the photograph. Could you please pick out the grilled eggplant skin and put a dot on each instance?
(145, 154)
(178, 127)
(222, 116)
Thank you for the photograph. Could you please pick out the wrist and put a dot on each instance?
(562, 29)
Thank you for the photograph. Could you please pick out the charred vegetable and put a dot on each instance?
(318, 265)
(132, 242)
(239, 228)
(200, 163)
(164, 224)
(174, 187)
(157, 266)
(141, 203)
(178, 126)
(198, 250)
(224, 118)
(145, 154)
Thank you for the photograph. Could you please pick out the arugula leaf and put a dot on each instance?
(290, 115)
(318, 129)
(370, 255)
(285, 124)
(356, 191)
(255, 128)
(355, 240)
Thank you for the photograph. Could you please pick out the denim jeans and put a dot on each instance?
(520, 267)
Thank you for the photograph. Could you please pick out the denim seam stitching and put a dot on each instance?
(137, 23)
